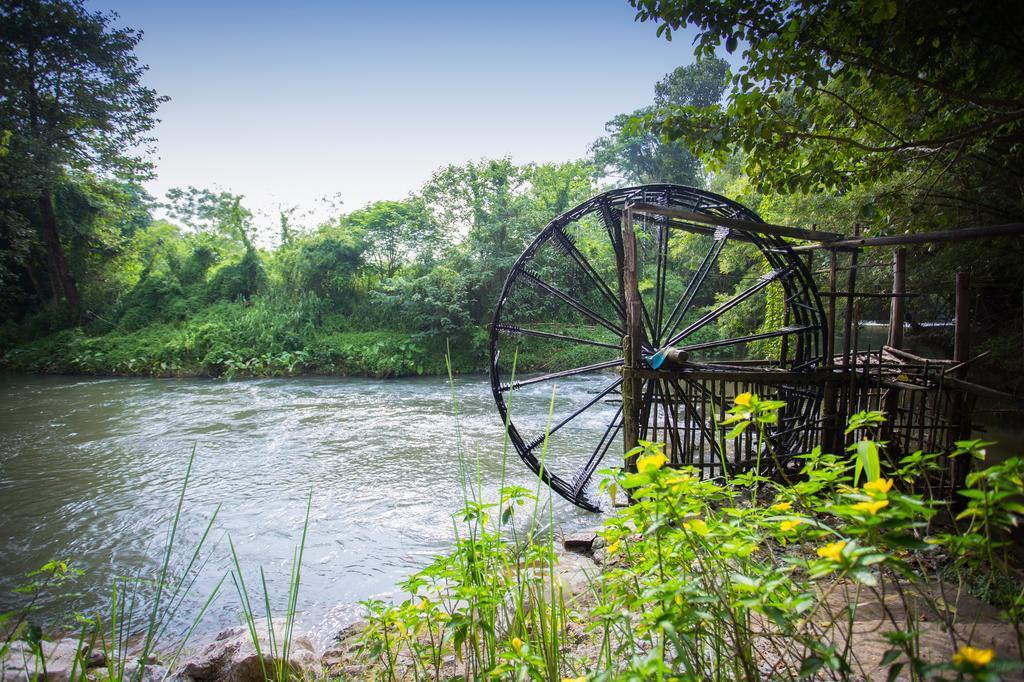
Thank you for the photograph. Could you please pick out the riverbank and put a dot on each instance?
(167, 350)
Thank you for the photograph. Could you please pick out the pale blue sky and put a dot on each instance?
(287, 102)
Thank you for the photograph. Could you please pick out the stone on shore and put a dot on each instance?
(21, 664)
(231, 657)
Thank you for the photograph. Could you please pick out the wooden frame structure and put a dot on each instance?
(928, 402)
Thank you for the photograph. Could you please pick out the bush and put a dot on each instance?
(325, 265)
(154, 299)
(436, 303)
(240, 280)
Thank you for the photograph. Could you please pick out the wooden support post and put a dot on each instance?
(897, 315)
(959, 414)
(897, 311)
(847, 393)
(962, 324)
(631, 343)
(828, 402)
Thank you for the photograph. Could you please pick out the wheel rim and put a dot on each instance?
(563, 305)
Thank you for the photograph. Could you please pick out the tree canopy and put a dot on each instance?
(833, 95)
(643, 157)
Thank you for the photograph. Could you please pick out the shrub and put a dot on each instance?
(154, 299)
(736, 579)
(239, 280)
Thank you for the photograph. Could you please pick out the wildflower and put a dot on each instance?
(871, 507)
(832, 550)
(743, 399)
(614, 547)
(575, 679)
(698, 526)
(782, 506)
(977, 658)
(649, 463)
(787, 526)
(879, 487)
(517, 644)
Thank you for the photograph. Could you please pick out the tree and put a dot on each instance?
(927, 96)
(483, 204)
(71, 96)
(642, 156)
(206, 211)
(394, 232)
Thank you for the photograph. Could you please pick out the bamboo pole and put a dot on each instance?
(897, 311)
(631, 343)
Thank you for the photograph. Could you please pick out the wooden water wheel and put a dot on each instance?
(723, 310)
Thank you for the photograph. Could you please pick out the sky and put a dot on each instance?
(289, 102)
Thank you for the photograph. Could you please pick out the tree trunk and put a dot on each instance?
(55, 260)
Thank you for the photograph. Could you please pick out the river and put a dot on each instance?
(90, 470)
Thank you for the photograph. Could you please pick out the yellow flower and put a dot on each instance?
(517, 644)
(743, 399)
(614, 547)
(977, 658)
(832, 550)
(649, 463)
(787, 526)
(782, 506)
(871, 507)
(698, 526)
(575, 679)
(879, 487)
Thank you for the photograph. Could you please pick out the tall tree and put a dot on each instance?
(642, 157)
(71, 96)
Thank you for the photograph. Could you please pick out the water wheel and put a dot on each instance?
(723, 311)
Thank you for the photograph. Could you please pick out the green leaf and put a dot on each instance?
(811, 665)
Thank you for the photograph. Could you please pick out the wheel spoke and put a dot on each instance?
(590, 403)
(682, 306)
(523, 331)
(784, 331)
(559, 375)
(570, 248)
(659, 280)
(710, 317)
(583, 475)
(572, 302)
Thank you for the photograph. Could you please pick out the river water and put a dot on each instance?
(91, 468)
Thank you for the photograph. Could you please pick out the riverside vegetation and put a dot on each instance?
(741, 578)
(100, 278)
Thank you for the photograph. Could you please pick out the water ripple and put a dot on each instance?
(90, 469)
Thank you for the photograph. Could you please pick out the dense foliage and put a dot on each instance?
(887, 116)
(855, 571)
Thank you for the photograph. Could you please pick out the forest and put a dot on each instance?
(908, 129)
